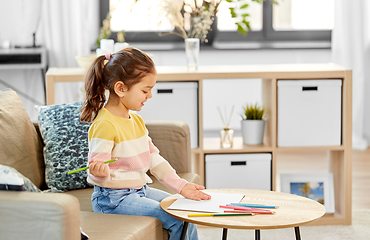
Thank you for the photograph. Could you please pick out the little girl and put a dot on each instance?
(116, 133)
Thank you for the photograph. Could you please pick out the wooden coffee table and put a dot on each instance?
(293, 211)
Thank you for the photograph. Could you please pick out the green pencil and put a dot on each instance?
(84, 168)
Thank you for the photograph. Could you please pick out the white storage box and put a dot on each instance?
(246, 171)
(174, 101)
(309, 112)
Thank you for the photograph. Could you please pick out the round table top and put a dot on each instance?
(292, 211)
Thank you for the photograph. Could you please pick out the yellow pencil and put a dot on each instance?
(200, 215)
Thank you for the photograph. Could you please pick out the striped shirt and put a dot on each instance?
(127, 140)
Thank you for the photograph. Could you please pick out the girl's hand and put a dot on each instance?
(192, 191)
(99, 169)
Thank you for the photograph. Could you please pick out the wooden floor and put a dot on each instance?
(361, 179)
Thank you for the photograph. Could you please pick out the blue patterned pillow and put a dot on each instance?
(66, 145)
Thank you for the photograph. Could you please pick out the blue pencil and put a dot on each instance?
(253, 205)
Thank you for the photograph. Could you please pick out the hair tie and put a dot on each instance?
(107, 56)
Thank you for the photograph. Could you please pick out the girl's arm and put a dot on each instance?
(193, 191)
(164, 172)
(101, 135)
(99, 169)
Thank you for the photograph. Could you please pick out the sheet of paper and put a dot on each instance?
(212, 205)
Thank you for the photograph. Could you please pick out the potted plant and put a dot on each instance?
(253, 124)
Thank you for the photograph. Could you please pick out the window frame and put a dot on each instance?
(268, 37)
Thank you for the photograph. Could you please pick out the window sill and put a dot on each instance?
(273, 45)
(169, 46)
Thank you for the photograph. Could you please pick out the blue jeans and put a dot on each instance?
(142, 202)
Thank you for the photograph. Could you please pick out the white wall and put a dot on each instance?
(367, 98)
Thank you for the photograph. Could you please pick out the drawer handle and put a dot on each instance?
(309, 88)
(238, 163)
(164, 90)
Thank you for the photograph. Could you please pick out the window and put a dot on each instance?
(290, 23)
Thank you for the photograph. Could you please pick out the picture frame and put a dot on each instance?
(316, 186)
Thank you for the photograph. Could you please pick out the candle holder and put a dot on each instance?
(227, 135)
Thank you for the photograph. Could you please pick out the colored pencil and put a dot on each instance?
(84, 168)
(219, 214)
(252, 211)
(243, 208)
(253, 205)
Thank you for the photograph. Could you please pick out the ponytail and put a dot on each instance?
(95, 90)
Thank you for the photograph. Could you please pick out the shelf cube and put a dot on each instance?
(309, 112)
(174, 101)
(250, 171)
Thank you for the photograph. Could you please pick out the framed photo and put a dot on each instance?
(316, 186)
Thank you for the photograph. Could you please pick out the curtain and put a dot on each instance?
(68, 28)
(350, 48)
(18, 22)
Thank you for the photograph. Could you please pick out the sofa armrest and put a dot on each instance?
(172, 138)
(30, 215)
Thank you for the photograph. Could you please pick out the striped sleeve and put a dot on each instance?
(163, 171)
(101, 140)
(101, 143)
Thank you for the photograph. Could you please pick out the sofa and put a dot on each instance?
(52, 215)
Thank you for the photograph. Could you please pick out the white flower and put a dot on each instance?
(201, 17)
(202, 24)
(172, 10)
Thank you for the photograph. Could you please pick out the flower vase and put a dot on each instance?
(192, 48)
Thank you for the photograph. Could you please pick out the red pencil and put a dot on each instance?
(243, 208)
(252, 211)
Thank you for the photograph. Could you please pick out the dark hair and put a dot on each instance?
(128, 65)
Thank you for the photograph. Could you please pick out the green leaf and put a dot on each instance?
(241, 29)
(229, 1)
(245, 15)
(247, 24)
(232, 12)
(244, 6)
(253, 112)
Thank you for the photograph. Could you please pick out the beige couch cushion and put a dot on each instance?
(125, 227)
(175, 147)
(84, 197)
(19, 144)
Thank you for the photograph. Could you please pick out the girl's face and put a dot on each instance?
(135, 98)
